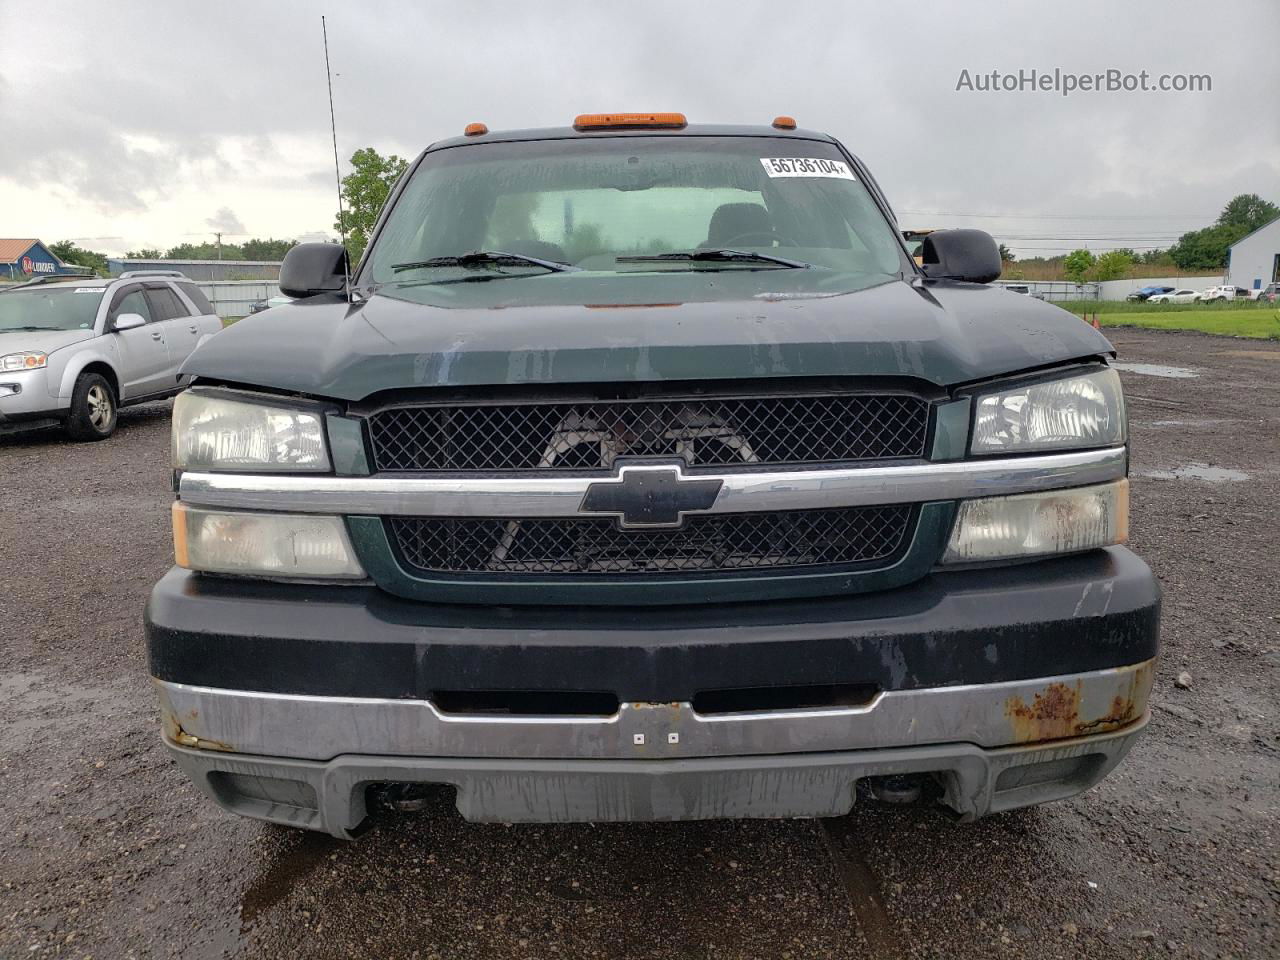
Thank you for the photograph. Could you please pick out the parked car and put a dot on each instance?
(73, 351)
(277, 301)
(654, 481)
(1269, 292)
(1023, 289)
(1177, 296)
(1224, 292)
(1143, 293)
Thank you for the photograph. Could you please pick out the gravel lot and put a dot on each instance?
(108, 852)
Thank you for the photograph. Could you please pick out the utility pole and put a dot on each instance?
(219, 236)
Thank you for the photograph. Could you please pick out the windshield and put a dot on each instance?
(634, 208)
(65, 308)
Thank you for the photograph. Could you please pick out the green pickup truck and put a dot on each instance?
(637, 472)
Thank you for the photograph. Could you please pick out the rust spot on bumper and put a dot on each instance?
(1053, 713)
(1059, 710)
(174, 731)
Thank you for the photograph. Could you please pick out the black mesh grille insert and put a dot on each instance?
(709, 431)
(596, 545)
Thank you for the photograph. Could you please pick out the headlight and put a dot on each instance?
(1084, 411)
(263, 544)
(1040, 524)
(30, 360)
(217, 433)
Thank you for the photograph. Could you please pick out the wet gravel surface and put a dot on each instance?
(106, 851)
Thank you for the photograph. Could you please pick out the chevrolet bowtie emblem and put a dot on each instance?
(650, 496)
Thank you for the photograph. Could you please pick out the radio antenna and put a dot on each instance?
(337, 173)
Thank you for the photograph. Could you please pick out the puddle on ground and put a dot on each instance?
(1197, 471)
(1158, 370)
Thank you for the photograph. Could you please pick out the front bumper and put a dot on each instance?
(1012, 685)
(25, 400)
(331, 796)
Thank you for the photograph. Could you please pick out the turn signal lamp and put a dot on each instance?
(619, 121)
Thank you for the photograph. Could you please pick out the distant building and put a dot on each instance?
(27, 259)
(203, 269)
(1254, 260)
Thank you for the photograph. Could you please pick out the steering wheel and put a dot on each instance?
(770, 235)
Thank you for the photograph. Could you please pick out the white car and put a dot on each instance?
(1224, 292)
(75, 350)
(1178, 296)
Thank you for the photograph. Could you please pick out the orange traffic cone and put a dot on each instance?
(1095, 322)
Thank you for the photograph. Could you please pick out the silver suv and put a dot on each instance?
(73, 351)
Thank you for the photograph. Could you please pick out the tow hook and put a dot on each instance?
(899, 790)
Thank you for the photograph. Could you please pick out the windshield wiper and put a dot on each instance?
(27, 328)
(481, 258)
(718, 256)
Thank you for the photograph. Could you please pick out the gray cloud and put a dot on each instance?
(225, 221)
(881, 77)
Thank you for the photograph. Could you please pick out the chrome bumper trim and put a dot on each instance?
(747, 492)
(321, 728)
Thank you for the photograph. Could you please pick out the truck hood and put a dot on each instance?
(14, 341)
(725, 327)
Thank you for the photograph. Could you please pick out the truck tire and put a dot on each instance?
(93, 409)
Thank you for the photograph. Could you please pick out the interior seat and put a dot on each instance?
(733, 220)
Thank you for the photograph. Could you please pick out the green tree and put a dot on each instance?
(270, 249)
(364, 191)
(1112, 265)
(1205, 249)
(204, 251)
(68, 252)
(1077, 264)
(146, 253)
(1006, 255)
(1248, 211)
(1208, 248)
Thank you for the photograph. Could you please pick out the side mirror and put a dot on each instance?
(969, 255)
(128, 321)
(312, 268)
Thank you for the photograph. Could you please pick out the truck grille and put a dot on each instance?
(596, 545)
(704, 431)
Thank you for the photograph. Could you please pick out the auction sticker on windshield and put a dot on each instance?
(806, 167)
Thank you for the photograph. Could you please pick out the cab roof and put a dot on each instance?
(595, 133)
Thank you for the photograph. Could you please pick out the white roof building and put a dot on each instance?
(1254, 260)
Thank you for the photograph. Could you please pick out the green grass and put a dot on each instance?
(1259, 324)
(1124, 306)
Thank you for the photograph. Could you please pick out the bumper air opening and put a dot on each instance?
(762, 699)
(1070, 770)
(555, 703)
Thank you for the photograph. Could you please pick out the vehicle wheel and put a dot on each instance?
(93, 409)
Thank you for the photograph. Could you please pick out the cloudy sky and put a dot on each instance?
(149, 124)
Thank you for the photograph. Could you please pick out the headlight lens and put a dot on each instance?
(263, 544)
(1040, 524)
(1084, 411)
(216, 433)
(29, 360)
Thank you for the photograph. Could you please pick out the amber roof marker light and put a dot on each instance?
(633, 121)
(474, 130)
(784, 123)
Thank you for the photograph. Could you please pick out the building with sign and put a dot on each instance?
(28, 259)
